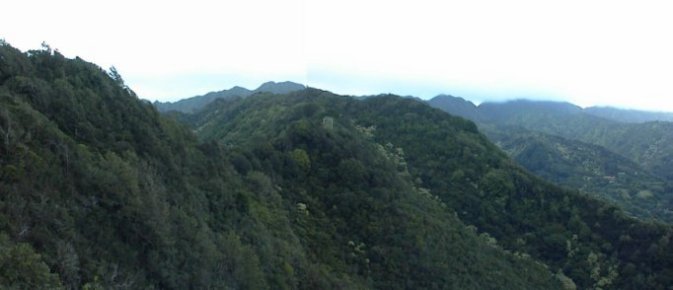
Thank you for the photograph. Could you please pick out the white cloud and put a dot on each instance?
(588, 52)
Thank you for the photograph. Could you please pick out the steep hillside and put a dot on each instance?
(648, 144)
(101, 192)
(590, 241)
(544, 132)
(310, 119)
(193, 104)
(591, 169)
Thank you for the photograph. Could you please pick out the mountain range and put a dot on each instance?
(193, 104)
(299, 190)
(625, 162)
(462, 107)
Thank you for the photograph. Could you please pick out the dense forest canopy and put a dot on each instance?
(626, 163)
(303, 190)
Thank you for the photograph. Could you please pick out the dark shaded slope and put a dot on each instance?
(101, 192)
(592, 242)
(648, 144)
(567, 159)
(408, 239)
(591, 169)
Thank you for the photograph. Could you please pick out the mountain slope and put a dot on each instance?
(307, 190)
(591, 169)
(455, 106)
(461, 107)
(197, 103)
(649, 144)
(309, 119)
(99, 191)
(590, 241)
(533, 127)
(279, 88)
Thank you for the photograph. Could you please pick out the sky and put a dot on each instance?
(617, 53)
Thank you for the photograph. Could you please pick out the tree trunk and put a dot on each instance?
(8, 127)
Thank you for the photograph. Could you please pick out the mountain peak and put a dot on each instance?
(237, 88)
(543, 107)
(193, 104)
(455, 106)
(280, 87)
(444, 98)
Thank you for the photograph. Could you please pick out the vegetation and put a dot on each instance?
(101, 192)
(626, 163)
(307, 190)
(648, 144)
(590, 241)
(195, 104)
(590, 168)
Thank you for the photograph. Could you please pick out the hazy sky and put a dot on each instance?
(588, 52)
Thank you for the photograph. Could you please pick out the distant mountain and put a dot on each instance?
(193, 104)
(279, 88)
(649, 144)
(509, 111)
(305, 190)
(456, 106)
(590, 168)
(100, 191)
(445, 156)
(629, 116)
(461, 107)
(628, 163)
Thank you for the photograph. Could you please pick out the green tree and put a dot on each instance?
(22, 268)
(302, 159)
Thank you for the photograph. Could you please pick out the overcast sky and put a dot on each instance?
(587, 52)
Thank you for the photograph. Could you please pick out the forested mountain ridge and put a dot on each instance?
(590, 168)
(193, 104)
(649, 144)
(529, 124)
(448, 157)
(307, 190)
(99, 191)
(467, 109)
